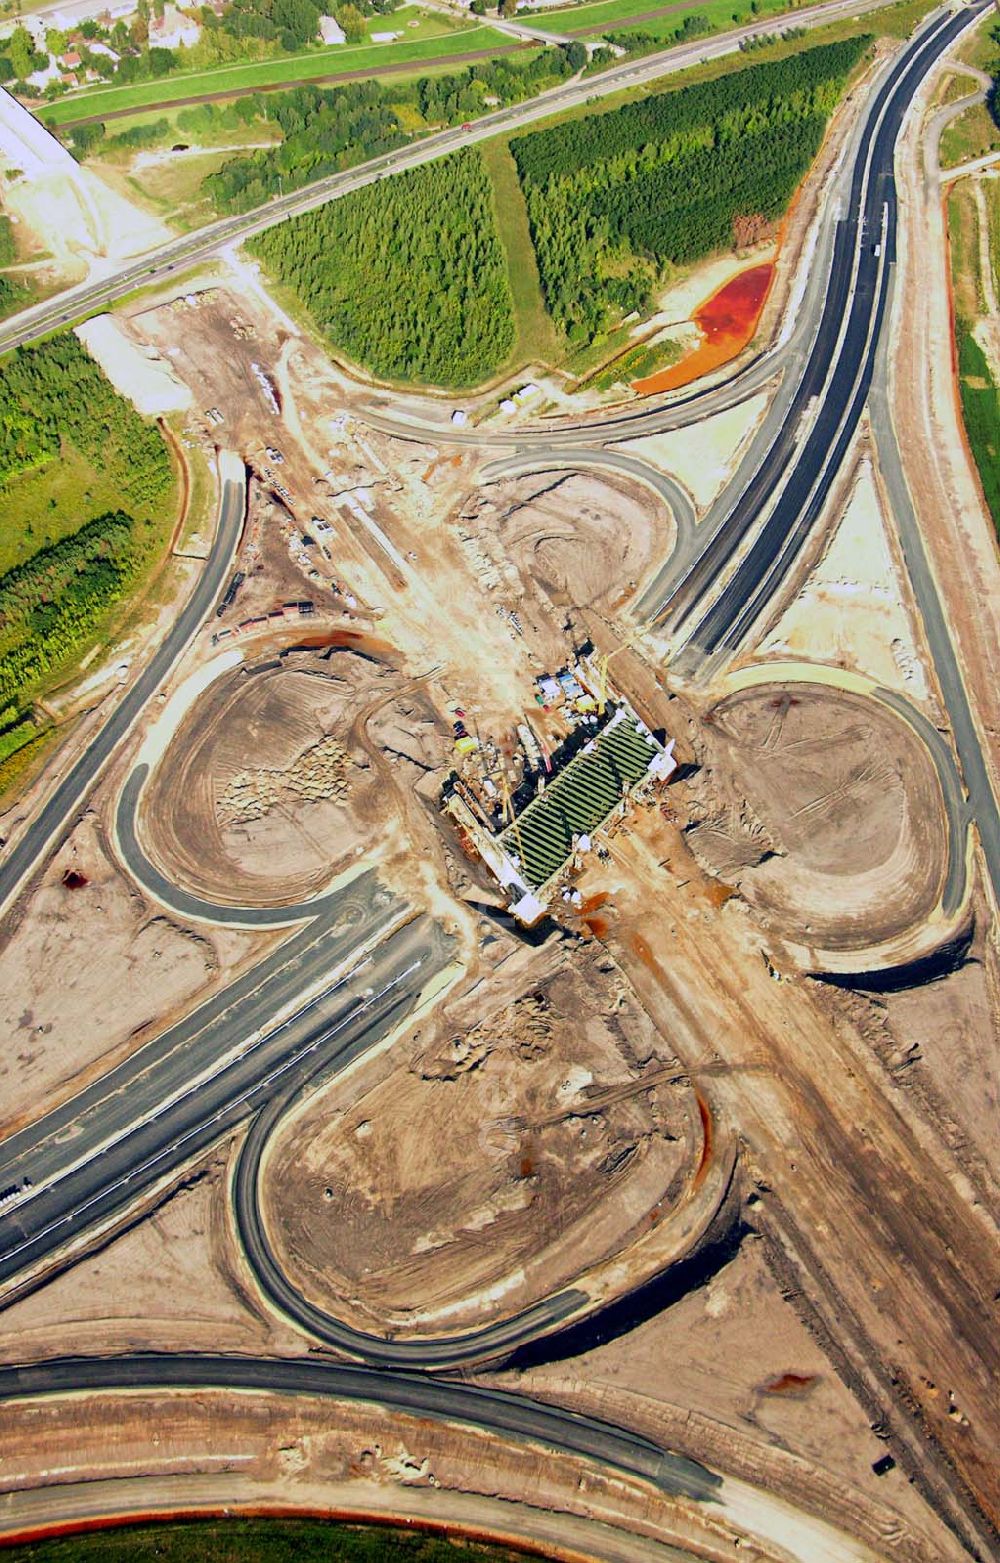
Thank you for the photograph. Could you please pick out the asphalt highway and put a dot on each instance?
(491, 1410)
(807, 454)
(97, 1154)
(60, 809)
(159, 265)
(315, 1005)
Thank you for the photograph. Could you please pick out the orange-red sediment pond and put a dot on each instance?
(726, 321)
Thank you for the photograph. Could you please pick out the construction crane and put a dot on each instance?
(608, 657)
(508, 808)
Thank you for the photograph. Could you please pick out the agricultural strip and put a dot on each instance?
(537, 339)
(339, 63)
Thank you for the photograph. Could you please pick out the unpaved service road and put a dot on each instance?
(886, 1247)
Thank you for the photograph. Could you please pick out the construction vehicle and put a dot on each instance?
(608, 657)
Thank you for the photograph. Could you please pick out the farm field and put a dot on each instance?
(288, 69)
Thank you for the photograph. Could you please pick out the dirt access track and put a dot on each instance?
(273, 786)
(475, 1172)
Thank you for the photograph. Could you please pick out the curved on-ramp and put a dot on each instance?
(943, 921)
(676, 1241)
(488, 1410)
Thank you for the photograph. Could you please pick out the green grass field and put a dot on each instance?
(973, 134)
(977, 381)
(641, 16)
(537, 339)
(982, 47)
(720, 13)
(55, 500)
(172, 189)
(954, 88)
(257, 1541)
(290, 68)
(981, 415)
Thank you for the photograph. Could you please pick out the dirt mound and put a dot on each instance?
(825, 809)
(488, 1166)
(269, 789)
(582, 538)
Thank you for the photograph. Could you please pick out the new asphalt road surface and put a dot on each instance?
(491, 1410)
(90, 1159)
(804, 459)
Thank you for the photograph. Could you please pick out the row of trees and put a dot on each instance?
(406, 277)
(13, 296)
(616, 199)
(325, 130)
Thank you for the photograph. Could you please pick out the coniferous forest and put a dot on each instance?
(615, 199)
(54, 397)
(407, 277)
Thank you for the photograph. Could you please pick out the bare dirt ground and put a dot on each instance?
(731, 1373)
(564, 1122)
(171, 1282)
(824, 809)
(704, 455)
(940, 1041)
(565, 540)
(854, 610)
(947, 496)
(124, 971)
(307, 1452)
(382, 502)
(866, 1213)
(269, 791)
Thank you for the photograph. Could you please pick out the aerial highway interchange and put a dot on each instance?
(357, 963)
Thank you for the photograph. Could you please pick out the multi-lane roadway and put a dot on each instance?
(252, 1048)
(121, 1149)
(161, 1108)
(206, 243)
